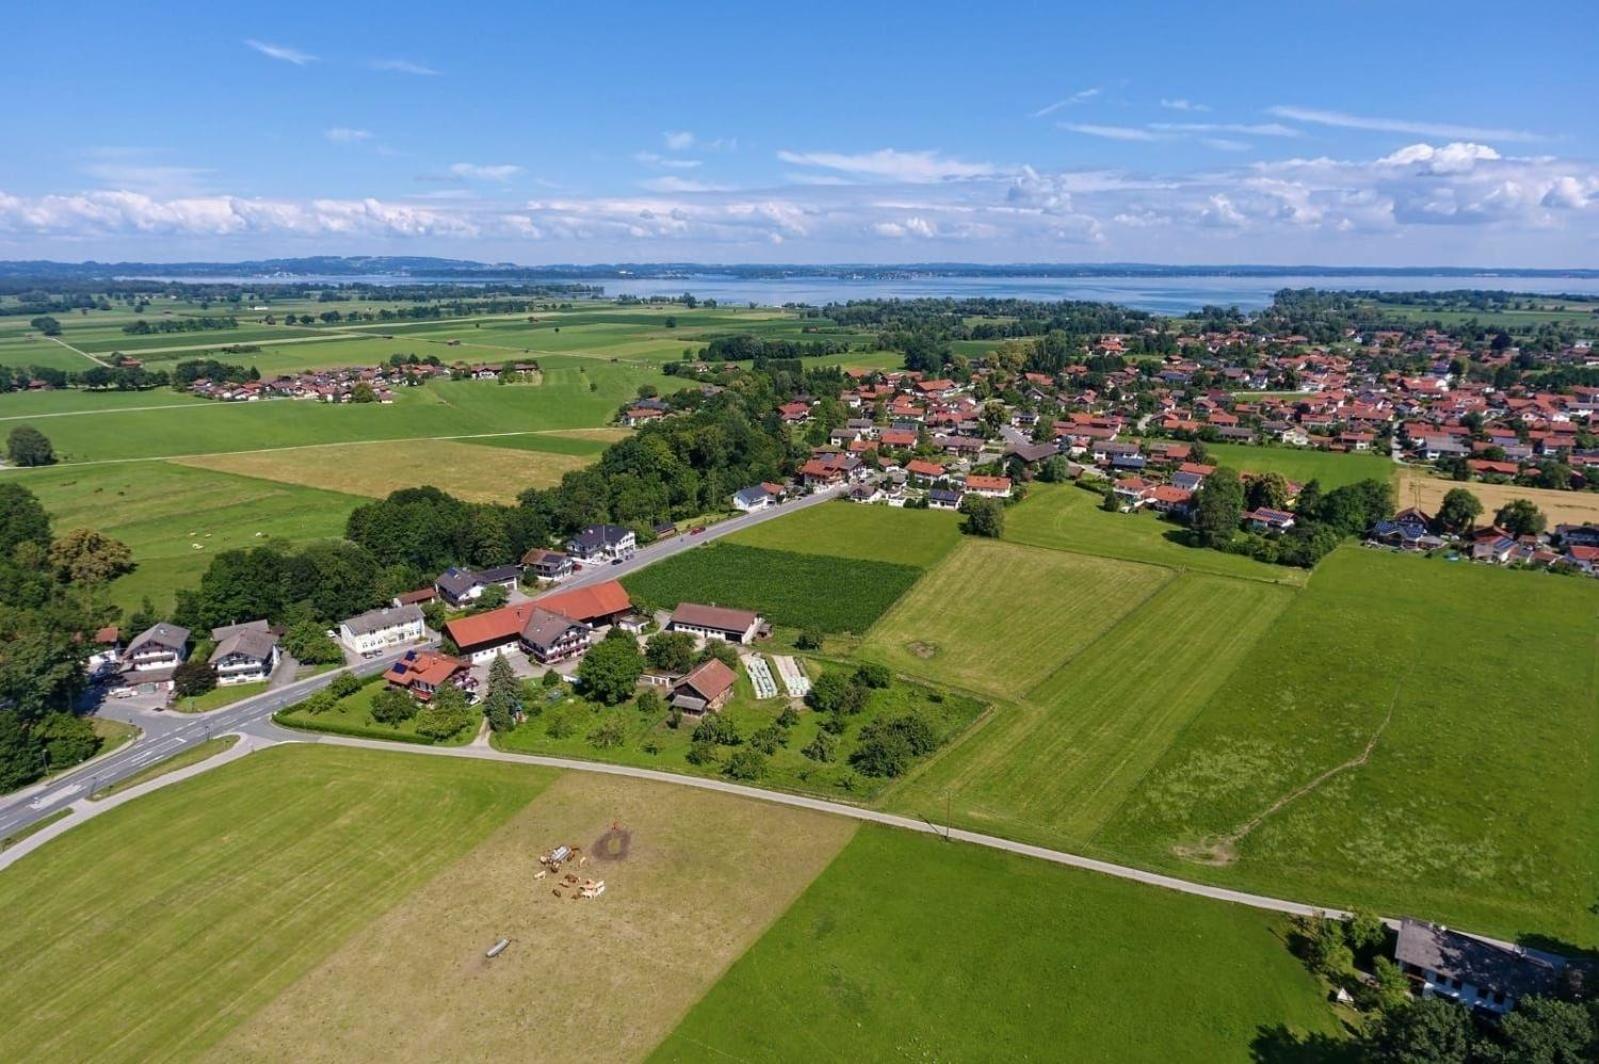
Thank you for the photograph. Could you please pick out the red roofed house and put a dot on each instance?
(554, 628)
(1169, 499)
(706, 688)
(922, 469)
(715, 622)
(422, 672)
(991, 487)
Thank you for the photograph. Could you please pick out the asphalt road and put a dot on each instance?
(167, 732)
(164, 733)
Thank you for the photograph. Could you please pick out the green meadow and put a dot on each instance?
(1066, 517)
(176, 518)
(1302, 465)
(911, 948)
(152, 930)
(869, 533)
(1410, 735)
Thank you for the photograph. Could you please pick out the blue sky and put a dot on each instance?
(1408, 133)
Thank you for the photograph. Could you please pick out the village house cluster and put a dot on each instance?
(353, 383)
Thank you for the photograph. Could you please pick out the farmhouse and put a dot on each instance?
(554, 628)
(422, 672)
(153, 656)
(1472, 972)
(375, 631)
(602, 543)
(1264, 519)
(547, 564)
(715, 622)
(705, 688)
(245, 653)
(460, 586)
(757, 497)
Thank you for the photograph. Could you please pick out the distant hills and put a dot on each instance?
(429, 268)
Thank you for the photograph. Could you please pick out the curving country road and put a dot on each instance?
(165, 733)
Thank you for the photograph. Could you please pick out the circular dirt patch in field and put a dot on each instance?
(613, 845)
(922, 650)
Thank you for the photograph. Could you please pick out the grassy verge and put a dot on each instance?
(32, 829)
(192, 756)
(219, 697)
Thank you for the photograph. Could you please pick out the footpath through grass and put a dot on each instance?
(909, 947)
(153, 929)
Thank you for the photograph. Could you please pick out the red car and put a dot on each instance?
(696, 530)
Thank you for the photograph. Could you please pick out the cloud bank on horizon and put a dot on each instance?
(364, 155)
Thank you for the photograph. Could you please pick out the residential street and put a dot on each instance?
(167, 732)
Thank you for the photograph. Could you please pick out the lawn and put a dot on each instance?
(1471, 694)
(705, 874)
(218, 697)
(155, 928)
(998, 618)
(477, 474)
(352, 715)
(1302, 465)
(569, 729)
(910, 948)
(1053, 766)
(870, 533)
(1069, 518)
(163, 511)
(788, 588)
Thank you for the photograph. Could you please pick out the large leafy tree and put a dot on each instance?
(86, 556)
(1218, 506)
(1459, 510)
(27, 446)
(1426, 1031)
(1521, 517)
(610, 671)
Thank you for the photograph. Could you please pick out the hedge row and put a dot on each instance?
(355, 731)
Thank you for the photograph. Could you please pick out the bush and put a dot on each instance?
(670, 651)
(649, 703)
(344, 685)
(702, 753)
(309, 644)
(746, 764)
(193, 677)
(320, 702)
(788, 718)
(716, 728)
(887, 747)
(391, 706)
(769, 738)
(446, 715)
(551, 679)
(726, 653)
(823, 748)
(873, 675)
(833, 692)
(809, 639)
(560, 725)
(338, 727)
(608, 736)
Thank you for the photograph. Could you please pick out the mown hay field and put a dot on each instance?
(997, 617)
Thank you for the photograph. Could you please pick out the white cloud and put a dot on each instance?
(1081, 96)
(479, 172)
(673, 183)
(282, 52)
(404, 66)
(1225, 144)
(1251, 129)
(1456, 158)
(346, 135)
(1341, 120)
(1181, 104)
(1132, 133)
(911, 167)
(681, 140)
(650, 158)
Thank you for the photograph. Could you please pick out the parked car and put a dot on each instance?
(696, 530)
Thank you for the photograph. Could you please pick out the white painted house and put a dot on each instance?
(245, 653)
(376, 631)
